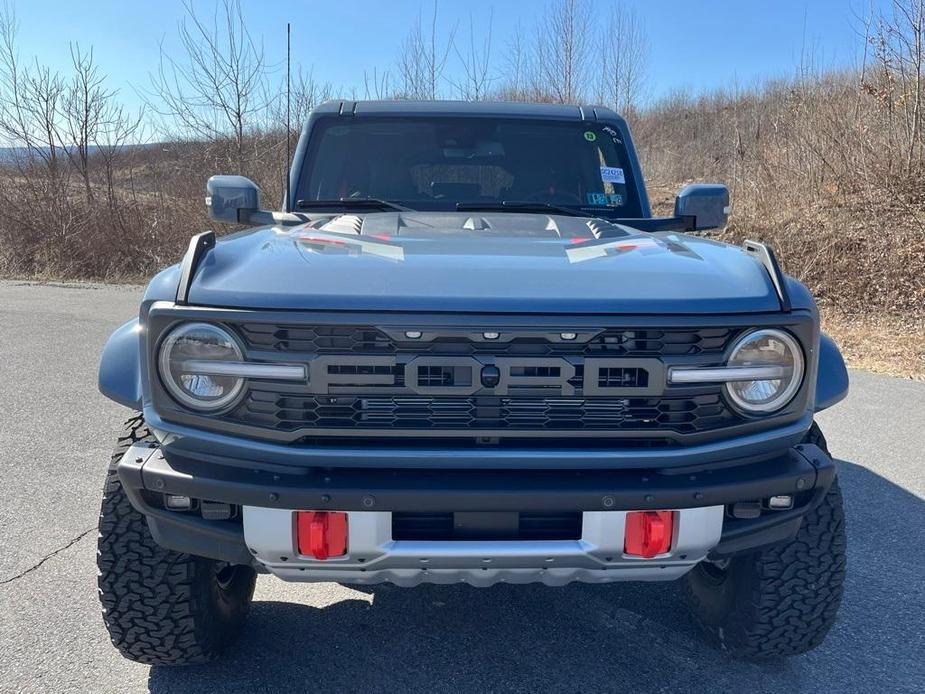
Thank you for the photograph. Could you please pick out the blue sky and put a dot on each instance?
(694, 45)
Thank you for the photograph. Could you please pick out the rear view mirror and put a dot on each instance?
(707, 203)
(232, 199)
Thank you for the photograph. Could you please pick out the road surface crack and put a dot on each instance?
(48, 556)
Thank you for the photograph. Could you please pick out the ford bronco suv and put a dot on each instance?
(464, 351)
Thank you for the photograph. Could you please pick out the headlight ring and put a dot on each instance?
(182, 364)
(765, 347)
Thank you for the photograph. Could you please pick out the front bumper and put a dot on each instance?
(267, 494)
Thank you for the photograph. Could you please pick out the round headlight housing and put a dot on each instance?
(183, 363)
(766, 348)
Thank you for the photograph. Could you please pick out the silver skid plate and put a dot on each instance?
(374, 557)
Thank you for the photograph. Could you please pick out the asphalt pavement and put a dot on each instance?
(56, 433)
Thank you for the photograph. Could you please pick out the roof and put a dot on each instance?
(467, 108)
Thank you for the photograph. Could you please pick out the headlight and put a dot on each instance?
(194, 365)
(777, 350)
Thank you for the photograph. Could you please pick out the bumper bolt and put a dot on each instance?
(158, 484)
(368, 501)
(801, 482)
(325, 498)
(649, 497)
(698, 496)
(608, 501)
(274, 496)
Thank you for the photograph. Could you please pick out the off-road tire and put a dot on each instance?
(783, 600)
(162, 607)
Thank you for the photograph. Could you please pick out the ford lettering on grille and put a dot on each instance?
(438, 375)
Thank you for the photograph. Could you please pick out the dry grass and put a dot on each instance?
(883, 344)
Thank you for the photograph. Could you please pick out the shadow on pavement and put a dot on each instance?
(619, 637)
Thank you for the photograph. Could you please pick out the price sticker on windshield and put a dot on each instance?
(612, 174)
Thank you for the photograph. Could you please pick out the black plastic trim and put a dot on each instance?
(198, 245)
(765, 255)
(805, 468)
(654, 224)
(183, 532)
(773, 527)
(473, 490)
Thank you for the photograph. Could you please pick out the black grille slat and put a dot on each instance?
(621, 377)
(322, 339)
(684, 415)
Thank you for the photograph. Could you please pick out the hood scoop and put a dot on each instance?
(501, 225)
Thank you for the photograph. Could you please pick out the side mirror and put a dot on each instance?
(232, 199)
(707, 203)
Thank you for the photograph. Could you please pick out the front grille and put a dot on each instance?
(524, 526)
(289, 413)
(320, 339)
(456, 383)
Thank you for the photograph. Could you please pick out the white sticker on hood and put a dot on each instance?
(612, 174)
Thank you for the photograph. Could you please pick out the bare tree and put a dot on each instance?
(84, 111)
(475, 60)
(897, 83)
(376, 85)
(31, 97)
(516, 68)
(306, 93)
(623, 53)
(562, 52)
(423, 59)
(218, 87)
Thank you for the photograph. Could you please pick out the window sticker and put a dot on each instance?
(614, 135)
(590, 136)
(605, 199)
(612, 174)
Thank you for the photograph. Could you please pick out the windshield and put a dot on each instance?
(433, 163)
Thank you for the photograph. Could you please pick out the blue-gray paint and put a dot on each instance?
(832, 379)
(120, 366)
(800, 296)
(431, 263)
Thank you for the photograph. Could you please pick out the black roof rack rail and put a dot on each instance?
(198, 246)
(764, 255)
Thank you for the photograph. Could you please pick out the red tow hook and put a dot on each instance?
(648, 533)
(321, 534)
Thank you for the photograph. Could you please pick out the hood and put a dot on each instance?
(475, 262)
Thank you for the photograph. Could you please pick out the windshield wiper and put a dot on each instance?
(360, 203)
(516, 206)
